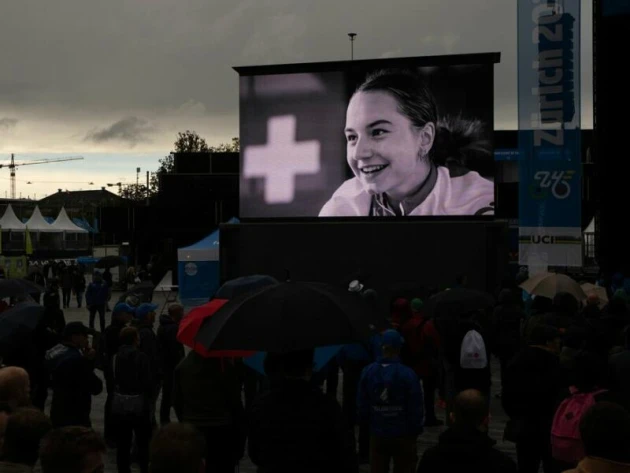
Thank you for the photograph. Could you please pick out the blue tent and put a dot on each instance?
(198, 270)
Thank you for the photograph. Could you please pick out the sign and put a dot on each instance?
(550, 167)
(506, 154)
(15, 267)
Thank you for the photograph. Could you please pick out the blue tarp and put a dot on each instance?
(82, 223)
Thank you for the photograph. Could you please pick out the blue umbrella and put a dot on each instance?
(243, 285)
(321, 357)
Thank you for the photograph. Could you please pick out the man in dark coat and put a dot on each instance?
(96, 300)
(67, 281)
(71, 364)
(295, 427)
(532, 387)
(110, 343)
(144, 320)
(465, 446)
(172, 353)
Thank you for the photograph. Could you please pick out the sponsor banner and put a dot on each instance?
(550, 168)
(559, 246)
(15, 267)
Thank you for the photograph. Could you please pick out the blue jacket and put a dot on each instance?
(355, 352)
(390, 399)
(97, 294)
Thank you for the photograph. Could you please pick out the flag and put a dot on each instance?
(29, 243)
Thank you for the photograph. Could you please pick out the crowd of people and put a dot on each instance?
(564, 385)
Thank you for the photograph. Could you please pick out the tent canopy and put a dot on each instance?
(37, 223)
(64, 224)
(204, 250)
(591, 227)
(9, 220)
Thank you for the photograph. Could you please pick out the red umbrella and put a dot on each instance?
(190, 325)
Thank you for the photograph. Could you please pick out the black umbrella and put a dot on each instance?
(142, 291)
(459, 301)
(290, 316)
(18, 320)
(109, 262)
(18, 287)
(239, 286)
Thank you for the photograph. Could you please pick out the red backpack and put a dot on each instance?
(566, 441)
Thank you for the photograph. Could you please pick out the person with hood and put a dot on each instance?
(144, 320)
(294, 426)
(108, 347)
(132, 379)
(405, 158)
(207, 394)
(96, 300)
(421, 352)
(465, 446)
(71, 364)
(390, 399)
(172, 354)
(532, 386)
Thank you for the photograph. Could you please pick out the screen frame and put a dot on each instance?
(489, 58)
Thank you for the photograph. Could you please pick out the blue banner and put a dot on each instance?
(549, 133)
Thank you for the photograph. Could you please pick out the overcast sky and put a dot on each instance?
(115, 81)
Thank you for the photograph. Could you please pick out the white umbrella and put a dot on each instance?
(550, 284)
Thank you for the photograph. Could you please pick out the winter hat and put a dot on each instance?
(417, 304)
(144, 309)
(392, 338)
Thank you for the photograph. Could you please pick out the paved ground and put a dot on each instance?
(428, 439)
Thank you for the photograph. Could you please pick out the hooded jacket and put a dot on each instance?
(390, 399)
(73, 383)
(465, 450)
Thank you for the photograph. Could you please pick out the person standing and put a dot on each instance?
(390, 398)
(67, 282)
(132, 380)
(71, 364)
(172, 354)
(78, 285)
(108, 347)
(109, 282)
(206, 394)
(465, 446)
(531, 391)
(144, 320)
(296, 427)
(96, 299)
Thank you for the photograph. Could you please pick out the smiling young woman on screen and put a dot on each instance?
(399, 151)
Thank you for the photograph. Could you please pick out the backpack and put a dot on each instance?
(472, 354)
(566, 441)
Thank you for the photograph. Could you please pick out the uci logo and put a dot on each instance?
(556, 182)
(543, 239)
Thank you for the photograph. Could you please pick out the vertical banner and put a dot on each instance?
(550, 167)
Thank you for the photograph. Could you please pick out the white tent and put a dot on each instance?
(591, 227)
(37, 223)
(9, 221)
(64, 224)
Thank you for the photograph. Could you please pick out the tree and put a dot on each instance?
(190, 142)
(135, 192)
(233, 147)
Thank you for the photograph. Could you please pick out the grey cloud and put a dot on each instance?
(8, 123)
(130, 130)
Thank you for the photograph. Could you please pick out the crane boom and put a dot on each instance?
(14, 165)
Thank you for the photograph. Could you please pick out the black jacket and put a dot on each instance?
(74, 383)
(207, 392)
(149, 346)
(531, 389)
(109, 345)
(131, 372)
(295, 427)
(171, 350)
(465, 450)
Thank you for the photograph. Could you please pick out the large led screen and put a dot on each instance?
(383, 138)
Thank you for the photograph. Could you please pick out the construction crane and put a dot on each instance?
(12, 165)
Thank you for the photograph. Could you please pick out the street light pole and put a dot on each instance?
(352, 36)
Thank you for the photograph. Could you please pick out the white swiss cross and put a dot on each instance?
(281, 159)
